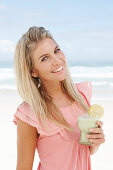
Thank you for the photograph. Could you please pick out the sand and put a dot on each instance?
(9, 100)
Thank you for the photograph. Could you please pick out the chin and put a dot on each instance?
(62, 78)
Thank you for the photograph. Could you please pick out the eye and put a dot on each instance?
(43, 59)
(58, 50)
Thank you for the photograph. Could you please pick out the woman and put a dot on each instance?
(47, 117)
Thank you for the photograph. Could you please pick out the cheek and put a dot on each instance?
(63, 56)
(45, 68)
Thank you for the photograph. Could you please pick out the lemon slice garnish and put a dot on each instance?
(96, 111)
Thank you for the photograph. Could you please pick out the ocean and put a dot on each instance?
(101, 78)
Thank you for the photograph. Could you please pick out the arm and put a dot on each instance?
(26, 145)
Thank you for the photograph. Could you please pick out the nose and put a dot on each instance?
(56, 60)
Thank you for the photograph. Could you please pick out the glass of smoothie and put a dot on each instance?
(87, 121)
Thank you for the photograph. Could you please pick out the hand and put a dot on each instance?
(97, 136)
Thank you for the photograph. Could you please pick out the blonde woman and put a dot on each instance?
(47, 118)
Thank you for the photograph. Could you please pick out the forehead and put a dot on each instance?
(45, 45)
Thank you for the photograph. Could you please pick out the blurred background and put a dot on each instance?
(84, 32)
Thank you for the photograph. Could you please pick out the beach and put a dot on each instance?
(9, 100)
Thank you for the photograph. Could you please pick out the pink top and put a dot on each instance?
(58, 149)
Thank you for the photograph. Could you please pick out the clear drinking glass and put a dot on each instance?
(85, 122)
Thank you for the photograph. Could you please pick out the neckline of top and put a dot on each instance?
(67, 107)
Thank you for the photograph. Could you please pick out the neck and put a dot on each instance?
(54, 89)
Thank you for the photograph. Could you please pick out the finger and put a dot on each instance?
(95, 136)
(97, 141)
(96, 130)
(99, 123)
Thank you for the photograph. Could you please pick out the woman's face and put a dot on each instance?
(48, 58)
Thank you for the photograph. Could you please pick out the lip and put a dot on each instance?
(58, 68)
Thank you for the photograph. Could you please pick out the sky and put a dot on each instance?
(83, 29)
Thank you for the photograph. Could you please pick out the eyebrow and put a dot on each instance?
(47, 54)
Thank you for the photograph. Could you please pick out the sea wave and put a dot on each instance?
(92, 75)
(6, 73)
(91, 72)
(8, 87)
(93, 69)
(102, 83)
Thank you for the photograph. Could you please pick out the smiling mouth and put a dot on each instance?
(58, 70)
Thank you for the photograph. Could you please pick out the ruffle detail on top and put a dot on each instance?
(25, 113)
(69, 136)
(85, 88)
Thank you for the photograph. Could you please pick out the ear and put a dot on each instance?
(34, 73)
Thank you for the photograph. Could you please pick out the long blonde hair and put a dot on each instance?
(40, 102)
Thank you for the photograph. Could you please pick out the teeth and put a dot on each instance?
(60, 68)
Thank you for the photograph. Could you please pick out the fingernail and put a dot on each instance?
(91, 140)
(88, 136)
(91, 130)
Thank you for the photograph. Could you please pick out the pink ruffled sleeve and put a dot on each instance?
(85, 88)
(25, 114)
